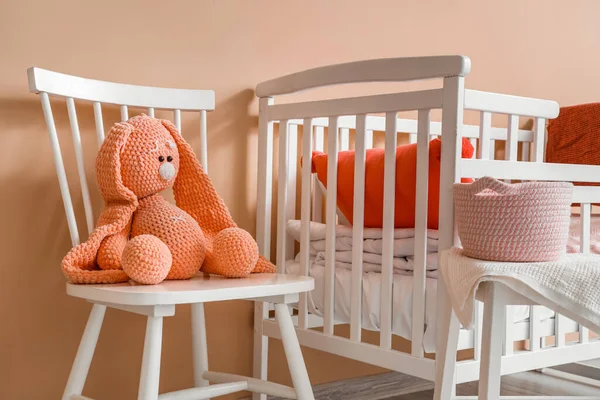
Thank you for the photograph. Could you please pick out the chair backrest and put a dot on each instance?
(47, 83)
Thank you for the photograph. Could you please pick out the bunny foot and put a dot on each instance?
(146, 259)
(234, 254)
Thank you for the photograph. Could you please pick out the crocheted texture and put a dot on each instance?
(176, 229)
(146, 259)
(138, 159)
(520, 222)
(218, 255)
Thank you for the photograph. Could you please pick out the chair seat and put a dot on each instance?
(201, 288)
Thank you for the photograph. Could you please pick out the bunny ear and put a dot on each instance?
(194, 192)
(79, 265)
(108, 165)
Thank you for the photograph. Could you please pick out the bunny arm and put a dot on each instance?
(111, 249)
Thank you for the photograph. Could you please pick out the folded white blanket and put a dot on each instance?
(404, 239)
(402, 266)
(319, 231)
(374, 262)
(568, 286)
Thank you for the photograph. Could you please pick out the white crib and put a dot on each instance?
(359, 117)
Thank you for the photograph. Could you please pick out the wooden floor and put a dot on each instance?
(523, 384)
(405, 387)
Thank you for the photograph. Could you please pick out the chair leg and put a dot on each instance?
(494, 314)
(199, 346)
(85, 352)
(448, 329)
(293, 353)
(261, 346)
(149, 378)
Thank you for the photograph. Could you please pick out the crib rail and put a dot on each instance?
(381, 70)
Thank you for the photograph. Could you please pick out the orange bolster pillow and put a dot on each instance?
(406, 182)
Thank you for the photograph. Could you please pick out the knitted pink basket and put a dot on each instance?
(519, 222)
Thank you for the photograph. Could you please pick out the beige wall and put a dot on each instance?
(547, 49)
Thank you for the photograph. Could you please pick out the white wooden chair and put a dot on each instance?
(495, 297)
(159, 301)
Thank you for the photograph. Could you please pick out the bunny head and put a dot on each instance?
(139, 158)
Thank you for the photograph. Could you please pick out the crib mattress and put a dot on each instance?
(402, 293)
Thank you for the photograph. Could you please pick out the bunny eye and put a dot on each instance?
(169, 159)
(161, 158)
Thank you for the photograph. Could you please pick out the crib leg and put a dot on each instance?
(261, 346)
(494, 314)
(293, 353)
(448, 330)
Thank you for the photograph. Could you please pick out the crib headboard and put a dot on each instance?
(380, 70)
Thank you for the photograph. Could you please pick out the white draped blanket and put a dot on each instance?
(570, 286)
(403, 246)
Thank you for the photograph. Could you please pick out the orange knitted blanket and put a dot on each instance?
(574, 137)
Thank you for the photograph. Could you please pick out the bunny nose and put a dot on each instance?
(167, 171)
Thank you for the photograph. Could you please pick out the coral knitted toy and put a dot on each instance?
(143, 237)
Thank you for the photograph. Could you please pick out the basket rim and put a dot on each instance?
(540, 184)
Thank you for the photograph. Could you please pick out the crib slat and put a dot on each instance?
(508, 346)
(282, 193)
(485, 129)
(535, 322)
(492, 149)
(317, 212)
(85, 192)
(585, 226)
(585, 223)
(560, 322)
(559, 329)
(124, 114)
(420, 253)
(290, 204)
(357, 230)
(203, 155)
(332, 149)
(177, 119)
(539, 139)
(512, 142)
(305, 218)
(151, 112)
(389, 192)
(264, 183)
(525, 151)
(344, 139)
(99, 122)
(60, 169)
(369, 140)
(584, 334)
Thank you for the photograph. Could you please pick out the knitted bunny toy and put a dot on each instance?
(142, 236)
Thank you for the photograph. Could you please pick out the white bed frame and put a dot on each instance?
(357, 116)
